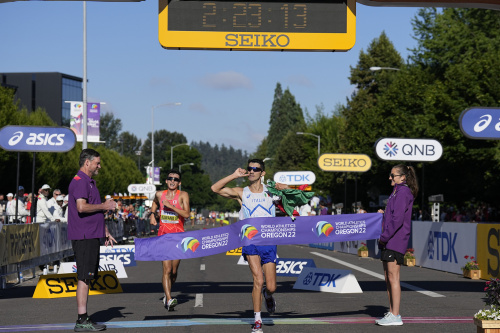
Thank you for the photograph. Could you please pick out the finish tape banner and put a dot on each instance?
(259, 231)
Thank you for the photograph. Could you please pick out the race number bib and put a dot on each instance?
(169, 217)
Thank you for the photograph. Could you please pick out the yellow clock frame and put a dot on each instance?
(247, 41)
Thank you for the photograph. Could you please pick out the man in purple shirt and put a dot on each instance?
(86, 227)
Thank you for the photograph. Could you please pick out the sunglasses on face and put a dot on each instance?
(393, 175)
(254, 169)
(175, 179)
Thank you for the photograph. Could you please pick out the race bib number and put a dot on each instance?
(169, 217)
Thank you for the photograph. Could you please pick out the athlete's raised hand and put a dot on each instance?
(240, 173)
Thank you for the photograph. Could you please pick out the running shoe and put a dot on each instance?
(88, 326)
(385, 315)
(270, 302)
(171, 304)
(257, 327)
(390, 320)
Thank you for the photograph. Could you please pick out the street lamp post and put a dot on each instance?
(153, 133)
(180, 170)
(172, 153)
(317, 136)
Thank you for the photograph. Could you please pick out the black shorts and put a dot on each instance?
(390, 256)
(87, 257)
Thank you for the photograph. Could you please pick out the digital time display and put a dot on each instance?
(289, 25)
(243, 16)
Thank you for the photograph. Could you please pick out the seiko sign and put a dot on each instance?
(141, 188)
(295, 177)
(37, 139)
(481, 123)
(396, 149)
(345, 162)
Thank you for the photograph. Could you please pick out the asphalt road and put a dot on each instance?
(214, 296)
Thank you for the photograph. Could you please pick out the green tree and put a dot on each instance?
(286, 115)
(109, 130)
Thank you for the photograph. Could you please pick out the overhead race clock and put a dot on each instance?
(319, 25)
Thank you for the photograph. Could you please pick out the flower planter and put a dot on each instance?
(474, 274)
(487, 326)
(362, 253)
(409, 262)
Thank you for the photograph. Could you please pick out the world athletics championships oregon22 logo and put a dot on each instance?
(391, 149)
(189, 243)
(323, 227)
(248, 231)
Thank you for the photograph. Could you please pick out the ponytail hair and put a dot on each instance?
(411, 177)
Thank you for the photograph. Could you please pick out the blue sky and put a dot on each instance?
(226, 96)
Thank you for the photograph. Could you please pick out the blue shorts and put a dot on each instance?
(267, 253)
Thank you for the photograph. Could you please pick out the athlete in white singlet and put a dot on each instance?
(255, 201)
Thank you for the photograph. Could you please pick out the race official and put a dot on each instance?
(86, 227)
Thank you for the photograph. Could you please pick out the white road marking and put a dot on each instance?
(202, 267)
(198, 302)
(379, 276)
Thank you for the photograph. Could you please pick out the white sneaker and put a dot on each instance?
(257, 327)
(390, 320)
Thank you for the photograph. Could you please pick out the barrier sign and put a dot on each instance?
(235, 252)
(295, 177)
(141, 188)
(123, 253)
(345, 162)
(292, 266)
(104, 265)
(327, 280)
(418, 150)
(37, 139)
(64, 285)
(481, 123)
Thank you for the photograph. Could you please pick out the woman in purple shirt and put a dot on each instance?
(396, 228)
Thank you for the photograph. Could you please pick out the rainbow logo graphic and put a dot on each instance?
(94, 106)
(78, 106)
(248, 231)
(189, 243)
(323, 227)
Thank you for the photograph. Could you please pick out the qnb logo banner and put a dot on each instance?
(345, 162)
(141, 188)
(397, 149)
(259, 231)
(481, 123)
(295, 177)
(37, 139)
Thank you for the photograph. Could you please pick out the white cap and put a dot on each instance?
(10, 195)
(45, 187)
(60, 198)
(107, 197)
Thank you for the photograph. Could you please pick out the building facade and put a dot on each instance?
(46, 90)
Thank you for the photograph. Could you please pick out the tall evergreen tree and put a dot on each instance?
(286, 115)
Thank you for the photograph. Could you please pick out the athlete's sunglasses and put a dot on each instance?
(254, 169)
(175, 179)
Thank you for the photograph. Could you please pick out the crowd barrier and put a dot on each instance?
(27, 246)
(443, 246)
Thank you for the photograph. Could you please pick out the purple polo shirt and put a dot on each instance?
(84, 225)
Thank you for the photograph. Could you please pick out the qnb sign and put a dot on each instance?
(295, 177)
(481, 123)
(37, 139)
(420, 150)
(345, 162)
(141, 188)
